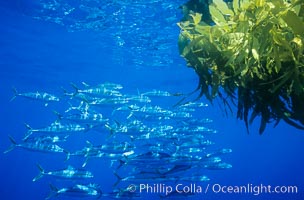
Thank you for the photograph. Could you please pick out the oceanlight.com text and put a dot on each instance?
(195, 188)
(252, 189)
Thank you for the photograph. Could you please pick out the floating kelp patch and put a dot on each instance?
(253, 52)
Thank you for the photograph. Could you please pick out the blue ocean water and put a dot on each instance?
(48, 44)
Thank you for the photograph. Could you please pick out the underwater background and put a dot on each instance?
(46, 45)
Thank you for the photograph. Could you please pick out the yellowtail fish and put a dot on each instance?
(44, 97)
(78, 190)
(68, 173)
(57, 127)
(35, 146)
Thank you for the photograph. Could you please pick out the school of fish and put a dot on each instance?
(140, 141)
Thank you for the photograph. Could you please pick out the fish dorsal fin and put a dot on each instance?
(70, 167)
(76, 90)
(56, 123)
(93, 185)
(138, 92)
(85, 84)
(89, 144)
(58, 115)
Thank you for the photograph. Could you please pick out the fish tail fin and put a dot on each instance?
(112, 163)
(70, 108)
(15, 94)
(117, 122)
(65, 92)
(159, 172)
(68, 155)
(53, 192)
(113, 112)
(86, 161)
(65, 138)
(53, 188)
(41, 173)
(130, 115)
(132, 138)
(118, 179)
(13, 145)
(85, 102)
(60, 117)
(176, 146)
(180, 102)
(28, 126)
(112, 131)
(111, 134)
(76, 88)
(66, 152)
(121, 163)
(29, 131)
(89, 127)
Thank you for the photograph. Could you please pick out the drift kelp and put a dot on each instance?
(253, 52)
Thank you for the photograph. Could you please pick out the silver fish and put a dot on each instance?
(68, 173)
(78, 190)
(48, 138)
(100, 90)
(157, 93)
(57, 127)
(219, 165)
(84, 117)
(35, 146)
(219, 152)
(122, 194)
(44, 97)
